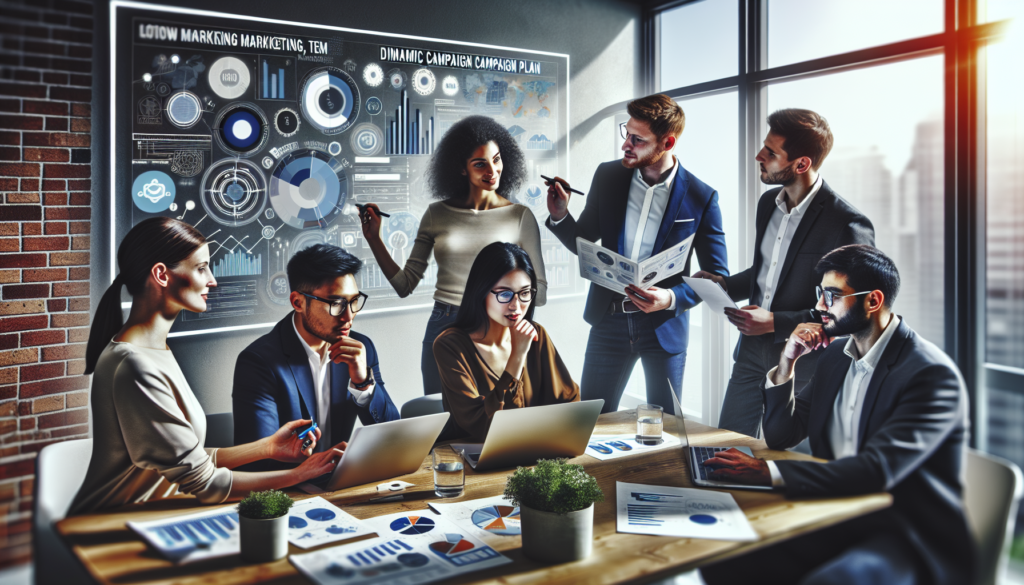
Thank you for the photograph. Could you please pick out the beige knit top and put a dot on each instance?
(456, 236)
(148, 434)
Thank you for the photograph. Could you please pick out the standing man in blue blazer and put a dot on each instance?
(640, 206)
(312, 365)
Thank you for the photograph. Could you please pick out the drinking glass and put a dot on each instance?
(449, 473)
(648, 424)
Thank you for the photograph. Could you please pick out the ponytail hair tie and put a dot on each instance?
(118, 280)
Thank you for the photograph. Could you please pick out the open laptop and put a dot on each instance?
(696, 456)
(521, 436)
(385, 450)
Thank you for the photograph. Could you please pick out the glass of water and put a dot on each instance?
(449, 474)
(648, 424)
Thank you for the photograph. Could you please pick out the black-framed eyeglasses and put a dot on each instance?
(337, 306)
(830, 297)
(632, 138)
(505, 296)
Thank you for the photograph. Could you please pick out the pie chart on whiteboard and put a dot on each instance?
(308, 189)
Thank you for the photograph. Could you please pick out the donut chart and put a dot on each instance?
(330, 100)
(308, 189)
(242, 129)
(229, 77)
(501, 520)
(234, 192)
(184, 109)
(412, 525)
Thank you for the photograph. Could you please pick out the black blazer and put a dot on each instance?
(830, 222)
(692, 210)
(912, 441)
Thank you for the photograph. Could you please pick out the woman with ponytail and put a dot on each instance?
(148, 427)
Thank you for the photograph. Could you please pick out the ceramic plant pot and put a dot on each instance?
(557, 538)
(263, 541)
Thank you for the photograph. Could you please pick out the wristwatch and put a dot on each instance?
(366, 383)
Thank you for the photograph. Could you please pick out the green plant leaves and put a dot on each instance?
(265, 505)
(554, 485)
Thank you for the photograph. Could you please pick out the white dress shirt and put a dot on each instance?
(844, 426)
(645, 208)
(775, 244)
(320, 368)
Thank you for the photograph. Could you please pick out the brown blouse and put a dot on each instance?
(472, 392)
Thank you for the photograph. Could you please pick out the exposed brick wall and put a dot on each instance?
(45, 194)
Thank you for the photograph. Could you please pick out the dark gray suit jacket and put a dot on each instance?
(830, 222)
(913, 435)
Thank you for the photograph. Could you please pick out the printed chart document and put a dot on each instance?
(193, 537)
(493, 520)
(412, 548)
(711, 293)
(605, 447)
(316, 521)
(681, 512)
(610, 270)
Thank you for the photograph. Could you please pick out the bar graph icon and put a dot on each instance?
(238, 263)
(277, 79)
(406, 131)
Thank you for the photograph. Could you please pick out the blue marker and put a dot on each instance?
(309, 441)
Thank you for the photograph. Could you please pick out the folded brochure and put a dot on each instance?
(614, 271)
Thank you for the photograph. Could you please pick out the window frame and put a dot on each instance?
(961, 42)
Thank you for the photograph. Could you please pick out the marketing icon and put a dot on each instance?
(153, 192)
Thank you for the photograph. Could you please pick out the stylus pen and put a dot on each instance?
(564, 184)
(363, 208)
(304, 434)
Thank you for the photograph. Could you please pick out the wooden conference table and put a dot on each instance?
(115, 555)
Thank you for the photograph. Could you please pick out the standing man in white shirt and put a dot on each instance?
(796, 224)
(888, 410)
(640, 206)
(312, 365)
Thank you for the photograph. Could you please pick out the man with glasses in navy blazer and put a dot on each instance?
(641, 206)
(312, 365)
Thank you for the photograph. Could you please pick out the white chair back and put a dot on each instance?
(991, 494)
(422, 406)
(60, 471)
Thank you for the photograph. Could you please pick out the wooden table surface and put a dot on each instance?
(113, 554)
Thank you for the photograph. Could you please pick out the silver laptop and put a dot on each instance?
(698, 455)
(386, 450)
(521, 436)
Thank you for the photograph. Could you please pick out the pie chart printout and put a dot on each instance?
(320, 514)
(500, 520)
(452, 544)
(412, 525)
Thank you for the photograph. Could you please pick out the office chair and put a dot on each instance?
(60, 471)
(422, 406)
(991, 494)
(220, 430)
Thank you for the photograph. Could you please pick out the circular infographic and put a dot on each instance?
(234, 192)
(229, 77)
(366, 139)
(605, 258)
(374, 106)
(308, 188)
(502, 520)
(286, 122)
(330, 100)
(296, 522)
(413, 525)
(241, 129)
(450, 85)
(452, 545)
(153, 191)
(184, 109)
(186, 163)
(534, 197)
(413, 559)
(423, 81)
(373, 75)
(334, 148)
(279, 291)
(649, 277)
(321, 514)
(149, 107)
(397, 78)
(399, 230)
(624, 279)
(705, 519)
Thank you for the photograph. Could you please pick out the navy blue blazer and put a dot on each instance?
(692, 209)
(273, 386)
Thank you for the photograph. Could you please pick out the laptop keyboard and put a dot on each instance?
(703, 454)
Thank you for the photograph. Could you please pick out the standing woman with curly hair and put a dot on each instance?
(476, 167)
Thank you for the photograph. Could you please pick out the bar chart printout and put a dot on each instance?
(680, 512)
(193, 537)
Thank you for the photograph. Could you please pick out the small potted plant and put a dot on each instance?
(263, 526)
(556, 507)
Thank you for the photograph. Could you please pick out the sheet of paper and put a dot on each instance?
(604, 267)
(493, 520)
(712, 293)
(193, 537)
(668, 263)
(680, 512)
(412, 548)
(316, 521)
(605, 447)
